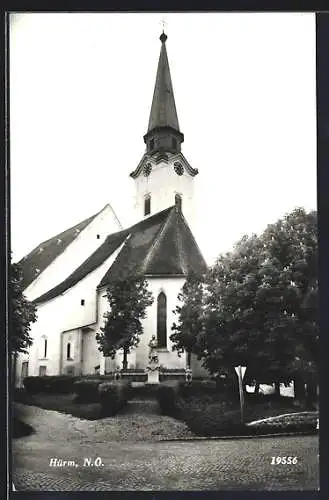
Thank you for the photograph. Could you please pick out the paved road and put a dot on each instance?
(184, 465)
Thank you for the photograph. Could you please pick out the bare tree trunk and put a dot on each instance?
(14, 369)
(299, 389)
(125, 361)
(189, 356)
(311, 393)
(277, 389)
(257, 385)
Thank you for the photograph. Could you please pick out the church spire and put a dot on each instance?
(163, 132)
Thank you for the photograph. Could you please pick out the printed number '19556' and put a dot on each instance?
(284, 460)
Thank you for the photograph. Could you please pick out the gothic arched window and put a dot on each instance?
(147, 205)
(178, 200)
(162, 320)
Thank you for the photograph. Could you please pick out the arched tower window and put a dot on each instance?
(178, 200)
(147, 205)
(68, 350)
(162, 320)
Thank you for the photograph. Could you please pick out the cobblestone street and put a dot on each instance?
(181, 465)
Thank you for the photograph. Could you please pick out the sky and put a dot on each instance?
(81, 86)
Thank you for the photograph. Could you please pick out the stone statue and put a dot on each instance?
(153, 355)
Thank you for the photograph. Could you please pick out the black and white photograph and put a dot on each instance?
(164, 329)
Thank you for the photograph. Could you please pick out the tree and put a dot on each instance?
(128, 299)
(22, 313)
(232, 333)
(261, 303)
(189, 311)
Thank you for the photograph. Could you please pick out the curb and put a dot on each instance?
(277, 417)
(218, 438)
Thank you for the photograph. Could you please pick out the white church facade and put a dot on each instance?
(67, 276)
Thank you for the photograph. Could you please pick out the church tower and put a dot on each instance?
(163, 177)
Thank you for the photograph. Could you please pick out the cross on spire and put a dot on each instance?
(163, 36)
(163, 24)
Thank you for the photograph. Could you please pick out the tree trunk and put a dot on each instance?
(125, 361)
(311, 393)
(257, 385)
(299, 389)
(277, 389)
(189, 355)
(14, 369)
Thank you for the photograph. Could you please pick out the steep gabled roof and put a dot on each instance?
(109, 246)
(45, 253)
(163, 110)
(161, 245)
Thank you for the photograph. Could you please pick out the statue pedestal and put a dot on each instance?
(153, 377)
(152, 374)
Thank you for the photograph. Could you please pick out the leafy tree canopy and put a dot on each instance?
(128, 299)
(189, 315)
(22, 313)
(258, 306)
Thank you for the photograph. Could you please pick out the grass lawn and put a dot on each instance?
(206, 417)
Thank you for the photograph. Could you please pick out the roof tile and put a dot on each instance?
(36, 261)
(160, 245)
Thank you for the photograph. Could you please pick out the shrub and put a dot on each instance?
(86, 390)
(167, 396)
(21, 429)
(147, 391)
(134, 377)
(169, 377)
(198, 388)
(51, 384)
(113, 396)
(211, 422)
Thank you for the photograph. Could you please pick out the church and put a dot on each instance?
(67, 276)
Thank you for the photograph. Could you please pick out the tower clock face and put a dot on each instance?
(179, 169)
(147, 169)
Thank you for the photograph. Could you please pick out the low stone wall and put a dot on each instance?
(169, 376)
(141, 376)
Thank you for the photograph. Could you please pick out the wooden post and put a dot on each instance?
(241, 393)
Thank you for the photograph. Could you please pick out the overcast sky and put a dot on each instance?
(81, 87)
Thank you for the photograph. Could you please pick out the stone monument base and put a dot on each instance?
(153, 377)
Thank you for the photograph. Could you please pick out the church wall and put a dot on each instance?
(71, 365)
(61, 319)
(75, 254)
(167, 358)
(44, 328)
(90, 353)
(162, 184)
(21, 358)
(61, 314)
(139, 356)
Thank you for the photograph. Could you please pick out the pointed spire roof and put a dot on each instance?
(163, 110)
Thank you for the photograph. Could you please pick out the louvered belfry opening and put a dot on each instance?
(147, 205)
